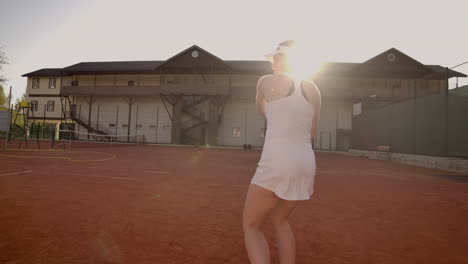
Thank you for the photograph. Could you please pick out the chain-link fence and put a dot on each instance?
(435, 125)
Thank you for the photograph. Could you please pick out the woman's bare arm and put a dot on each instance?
(316, 101)
(260, 99)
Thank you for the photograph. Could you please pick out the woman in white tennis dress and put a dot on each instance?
(286, 170)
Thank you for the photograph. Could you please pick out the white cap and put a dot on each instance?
(280, 49)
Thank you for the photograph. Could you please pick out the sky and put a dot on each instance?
(58, 33)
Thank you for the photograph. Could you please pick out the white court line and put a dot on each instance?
(158, 172)
(97, 176)
(13, 173)
(214, 184)
(243, 186)
(161, 172)
(226, 185)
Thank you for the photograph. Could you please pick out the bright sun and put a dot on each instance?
(305, 61)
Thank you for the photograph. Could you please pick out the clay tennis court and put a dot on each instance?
(167, 204)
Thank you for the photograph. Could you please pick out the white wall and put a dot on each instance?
(149, 113)
(241, 115)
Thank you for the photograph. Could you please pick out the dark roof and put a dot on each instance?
(241, 66)
(111, 66)
(248, 66)
(44, 72)
(208, 57)
(441, 70)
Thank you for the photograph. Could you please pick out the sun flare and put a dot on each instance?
(304, 61)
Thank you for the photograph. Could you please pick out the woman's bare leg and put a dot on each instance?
(284, 234)
(258, 203)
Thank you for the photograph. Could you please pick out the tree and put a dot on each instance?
(3, 61)
(3, 98)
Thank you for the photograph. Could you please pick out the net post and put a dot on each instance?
(10, 117)
(69, 140)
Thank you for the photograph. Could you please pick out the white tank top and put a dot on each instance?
(289, 119)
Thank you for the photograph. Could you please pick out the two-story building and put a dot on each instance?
(195, 97)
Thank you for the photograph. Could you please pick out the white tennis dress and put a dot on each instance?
(287, 164)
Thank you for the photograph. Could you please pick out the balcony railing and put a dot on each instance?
(110, 90)
(186, 89)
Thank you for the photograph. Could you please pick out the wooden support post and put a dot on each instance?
(213, 123)
(79, 117)
(129, 117)
(89, 114)
(117, 122)
(177, 120)
(157, 121)
(136, 121)
(97, 119)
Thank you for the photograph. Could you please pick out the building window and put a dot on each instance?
(131, 83)
(111, 125)
(139, 126)
(35, 83)
(124, 125)
(52, 82)
(34, 106)
(50, 106)
(236, 132)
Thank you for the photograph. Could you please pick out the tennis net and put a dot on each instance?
(70, 138)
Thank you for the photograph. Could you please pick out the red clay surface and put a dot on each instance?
(166, 204)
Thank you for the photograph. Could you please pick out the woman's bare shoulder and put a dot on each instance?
(265, 78)
(310, 86)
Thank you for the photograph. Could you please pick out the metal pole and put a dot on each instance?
(129, 118)
(136, 121)
(69, 140)
(446, 113)
(245, 126)
(157, 120)
(414, 116)
(43, 121)
(97, 119)
(61, 115)
(79, 117)
(25, 126)
(7, 138)
(320, 140)
(336, 129)
(117, 122)
(89, 114)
